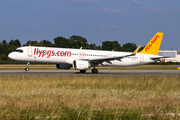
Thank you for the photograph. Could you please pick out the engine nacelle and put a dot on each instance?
(81, 64)
(63, 66)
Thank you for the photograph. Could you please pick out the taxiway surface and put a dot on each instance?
(88, 72)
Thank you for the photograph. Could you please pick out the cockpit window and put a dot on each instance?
(19, 50)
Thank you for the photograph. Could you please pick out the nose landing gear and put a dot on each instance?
(27, 69)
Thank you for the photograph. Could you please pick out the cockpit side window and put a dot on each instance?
(19, 50)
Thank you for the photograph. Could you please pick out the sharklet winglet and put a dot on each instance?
(137, 49)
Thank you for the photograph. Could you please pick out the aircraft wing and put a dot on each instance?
(107, 59)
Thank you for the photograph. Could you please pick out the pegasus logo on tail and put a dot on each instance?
(154, 44)
(151, 43)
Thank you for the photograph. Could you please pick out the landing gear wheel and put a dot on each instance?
(94, 71)
(26, 69)
(82, 71)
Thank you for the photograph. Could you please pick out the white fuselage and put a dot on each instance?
(67, 56)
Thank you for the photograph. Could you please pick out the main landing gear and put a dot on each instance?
(26, 69)
(82, 71)
(94, 70)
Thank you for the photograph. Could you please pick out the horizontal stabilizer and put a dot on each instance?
(156, 58)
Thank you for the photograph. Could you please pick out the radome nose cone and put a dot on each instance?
(10, 55)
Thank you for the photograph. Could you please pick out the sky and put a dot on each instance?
(133, 21)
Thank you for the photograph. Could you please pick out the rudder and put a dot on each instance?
(154, 44)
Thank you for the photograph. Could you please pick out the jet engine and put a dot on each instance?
(81, 64)
(63, 66)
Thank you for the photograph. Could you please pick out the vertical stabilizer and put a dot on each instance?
(154, 45)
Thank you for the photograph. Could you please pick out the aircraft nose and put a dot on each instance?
(11, 56)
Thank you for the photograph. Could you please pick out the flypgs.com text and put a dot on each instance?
(49, 53)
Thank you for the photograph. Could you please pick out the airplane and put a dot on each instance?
(82, 59)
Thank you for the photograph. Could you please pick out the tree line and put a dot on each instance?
(72, 42)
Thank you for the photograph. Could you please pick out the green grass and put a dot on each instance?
(82, 97)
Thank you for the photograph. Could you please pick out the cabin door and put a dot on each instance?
(141, 58)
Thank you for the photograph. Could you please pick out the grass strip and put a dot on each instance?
(82, 97)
